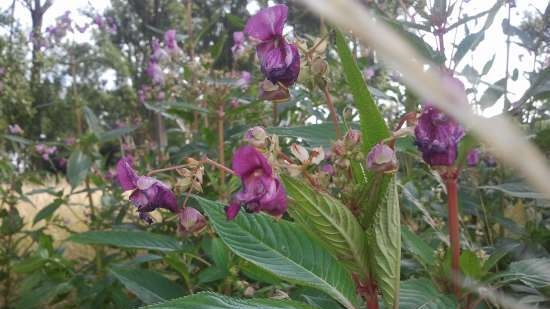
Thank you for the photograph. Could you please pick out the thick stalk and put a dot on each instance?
(332, 110)
(221, 149)
(367, 290)
(454, 235)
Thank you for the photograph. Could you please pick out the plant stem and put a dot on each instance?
(454, 235)
(274, 106)
(367, 290)
(221, 149)
(332, 110)
(219, 166)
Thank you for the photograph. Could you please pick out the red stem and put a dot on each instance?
(367, 290)
(332, 111)
(454, 235)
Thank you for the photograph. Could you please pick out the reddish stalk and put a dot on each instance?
(368, 291)
(450, 178)
(332, 110)
(221, 149)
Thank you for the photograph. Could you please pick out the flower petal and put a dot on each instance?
(232, 210)
(126, 175)
(248, 160)
(267, 23)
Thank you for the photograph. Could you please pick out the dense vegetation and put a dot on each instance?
(246, 154)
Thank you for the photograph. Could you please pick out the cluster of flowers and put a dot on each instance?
(45, 151)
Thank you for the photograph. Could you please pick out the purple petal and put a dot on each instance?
(248, 160)
(166, 198)
(267, 23)
(126, 175)
(274, 201)
(281, 64)
(238, 37)
(232, 210)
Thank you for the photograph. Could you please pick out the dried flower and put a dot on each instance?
(256, 136)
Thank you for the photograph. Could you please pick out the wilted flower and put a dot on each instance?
(15, 129)
(256, 136)
(261, 190)
(280, 61)
(272, 92)
(238, 43)
(147, 193)
(191, 221)
(154, 71)
(473, 157)
(244, 80)
(382, 158)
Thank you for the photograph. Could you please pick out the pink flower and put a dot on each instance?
(245, 79)
(148, 193)
(473, 157)
(280, 61)
(154, 71)
(381, 158)
(171, 43)
(15, 129)
(369, 73)
(261, 190)
(238, 43)
(191, 221)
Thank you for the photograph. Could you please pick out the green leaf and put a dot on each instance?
(92, 120)
(470, 42)
(492, 94)
(327, 219)
(149, 286)
(129, 239)
(470, 265)
(421, 294)
(315, 298)
(283, 249)
(373, 126)
(220, 253)
(540, 87)
(385, 246)
(515, 189)
(78, 168)
(212, 273)
(114, 134)
(488, 65)
(48, 211)
(314, 135)
(418, 247)
(18, 139)
(209, 300)
(532, 272)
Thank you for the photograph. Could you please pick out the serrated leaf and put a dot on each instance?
(373, 126)
(532, 272)
(327, 219)
(492, 94)
(209, 300)
(149, 286)
(418, 247)
(78, 167)
(283, 249)
(129, 239)
(385, 246)
(421, 294)
(314, 135)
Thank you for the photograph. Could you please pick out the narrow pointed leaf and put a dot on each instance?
(129, 239)
(421, 294)
(283, 249)
(385, 246)
(149, 286)
(327, 219)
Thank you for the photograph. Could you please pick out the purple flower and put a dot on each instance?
(148, 193)
(381, 158)
(238, 43)
(171, 42)
(154, 71)
(245, 79)
(437, 137)
(15, 129)
(369, 73)
(191, 221)
(261, 190)
(352, 138)
(82, 29)
(280, 61)
(45, 151)
(98, 20)
(158, 54)
(473, 157)
(328, 168)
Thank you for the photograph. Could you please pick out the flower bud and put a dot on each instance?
(473, 157)
(382, 158)
(353, 137)
(191, 221)
(338, 148)
(319, 66)
(256, 136)
(300, 152)
(317, 155)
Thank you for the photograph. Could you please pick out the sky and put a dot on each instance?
(494, 43)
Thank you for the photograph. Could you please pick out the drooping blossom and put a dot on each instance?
(256, 136)
(171, 43)
(15, 129)
(147, 193)
(437, 135)
(191, 221)
(382, 159)
(473, 157)
(280, 61)
(238, 43)
(261, 189)
(154, 71)
(244, 80)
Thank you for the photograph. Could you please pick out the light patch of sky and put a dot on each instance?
(493, 44)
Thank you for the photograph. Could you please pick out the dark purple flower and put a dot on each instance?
(473, 157)
(280, 61)
(437, 137)
(148, 193)
(381, 158)
(328, 168)
(261, 189)
(98, 20)
(489, 160)
(191, 221)
(158, 53)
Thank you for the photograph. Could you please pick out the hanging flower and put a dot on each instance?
(280, 61)
(261, 189)
(473, 157)
(147, 193)
(382, 158)
(171, 43)
(191, 221)
(158, 53)
(238, 43)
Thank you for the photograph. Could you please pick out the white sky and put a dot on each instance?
(494, 43)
